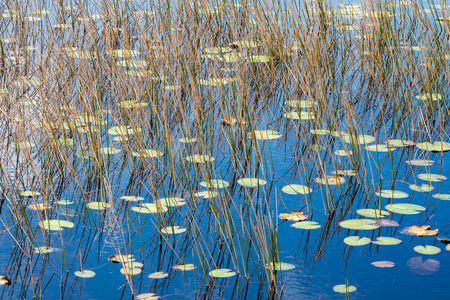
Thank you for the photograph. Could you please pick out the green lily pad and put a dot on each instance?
(359, 224)
(171, 202)
(379, 148)
(280, 266)
(429, 96)
(434, 147)
(420, 162)
(123, 130)
(148, 153)
(344, 289)
(44, 250)
(85, 274)
(24, 145)
(158, 275)
(30, 193)
(215, 183)
(320, 131)
(294, 189)
(299, 115)
(343, 153)
(266, 134)
(187, 140)
(149, 208)
(66, 142)
(308, 225)
(109, 151)
(55, 225)
(431, 177)
(260, 58)
(347, 173)
(173, 230)
(405, 208)
(385, 240)
(447, 247)
(445, 197)
(251, 182)
(372, 213)
(428, 250)
(64, 202)
(130, 271)
(302, 104)
(98, 205)
(132, 63)
(424, 188)
(399, 143)
(123, 53)
(132, 198)
(360, 139)
(184, 267)
(222, 273)
(356, 241)
(393, 194)
(206, 194)
(132, 104)
(200, 159)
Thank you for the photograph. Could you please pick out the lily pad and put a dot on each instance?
(330, 180)
(266, 134)
(158, 275)
(215, 183)
(222, 273)
(343, 153)
(206, 194)
(431, 177)
(399, 143)
(148, 153)
(30, 193)
(173, 230)
(251, 182)
(405, 208)
(280, 266)
(295, 216)
(55, 225)
(130, 271)
(445, 197)
(419, 230)
(308, 225)
(429, 96)
(299, 115)
(424, 188)
(386, 223)
(344, 289)
(147, 296)
(393, 194)
(294, 189)
(427, 249)
(171, 201)
(85, 274)
(98, 205)
(132, 104)
(44, 250)
(149, 208)
(200, 159)
(356, 241)
(359, 224)
(132, 198)
(372, 213)
(385, 240)
(184, 267)
(379, 148)
(420, 162)
(434, 147)
(360, 139)
(383, 264)
(302, 104)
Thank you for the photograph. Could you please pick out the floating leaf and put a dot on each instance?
(39, 206)
(383, 264)
(427, 249)
(98, 205)
(55, 225)
(44, 250)
(308, 225)
(356, 241)
(330, 180)
(343, 153)
(447, 247)
(426, 268)
(147, 296)
(131, 271)
(132, 198)
(121, 258)
(431, 177)
(173, 230)
(85, 274)
(344, 289)
(379, 148)
(149, 208)
(200, 159)
(420, 162)
(303, 104)
(171, 202)
(123, 53)
(359, 224)
(215, 183)
(360, 139)
(320, 131)
(429, 96)
(393, 194)
(158, 275)
(266, 134)
(405, 208)
(251, 182)
(280, 266)
(444, 197)
(148, 153)
(218, 50)
(24, 145)
(184, 267)
(187, 140)
(420, 230)
(294, 189)
(295, 216)
(299, 115)
(372, 213)
(344, 173)
(424, 188)
(384, 240)
(260, 58)
(123, 130)
(132, 104)
(434, 147)
(399, 143)
(386, 223)
(206, 194)
(222, 273)
(64, 202)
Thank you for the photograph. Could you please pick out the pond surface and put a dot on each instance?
(224, 151)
